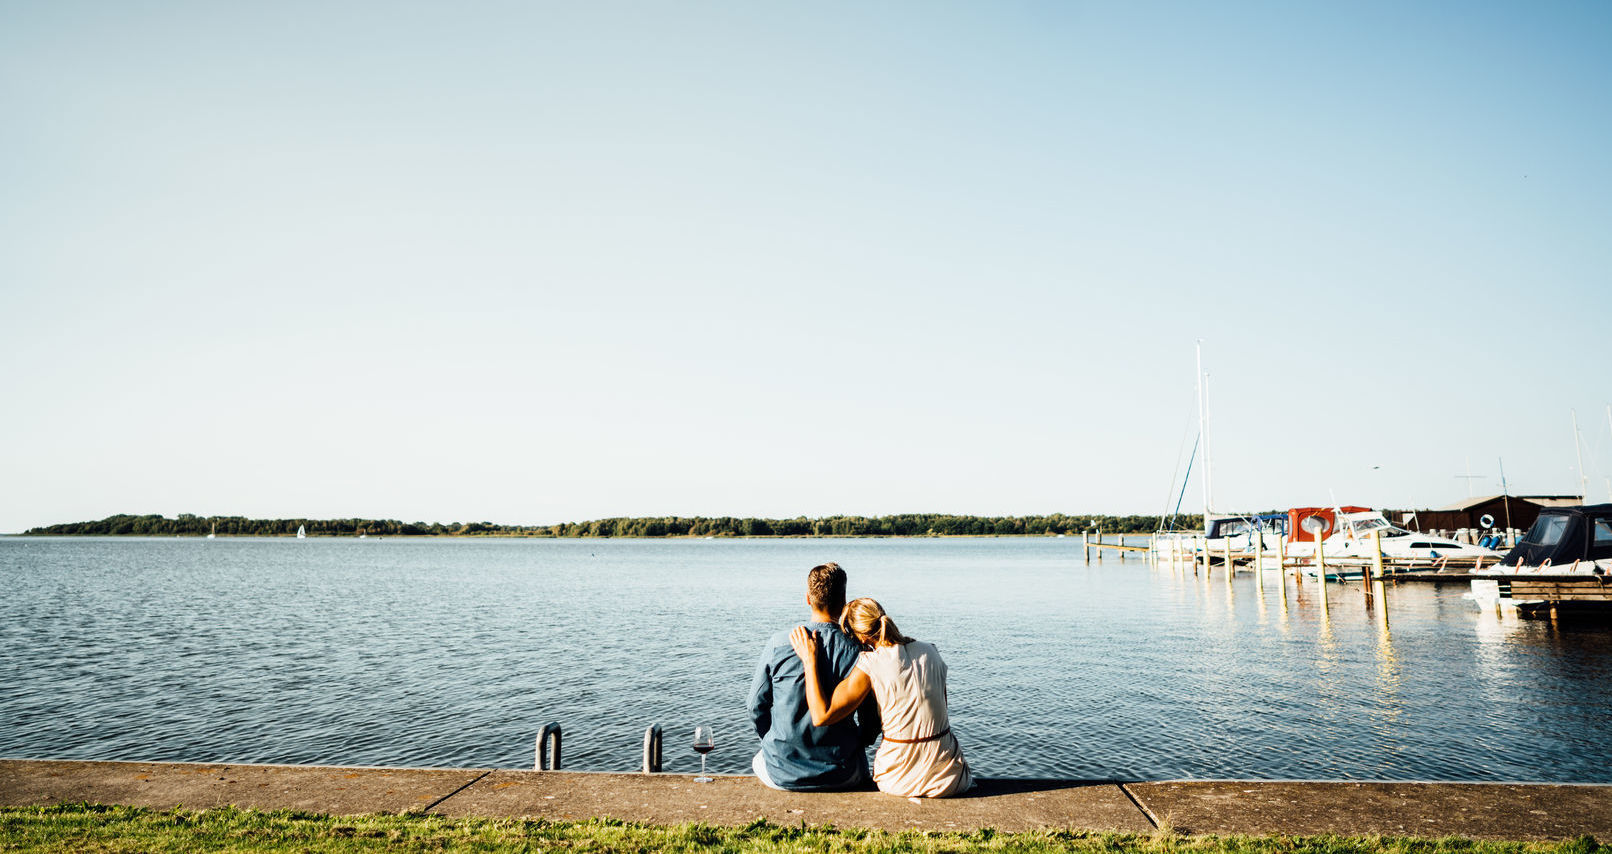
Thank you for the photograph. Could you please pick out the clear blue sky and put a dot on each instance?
(534, 262)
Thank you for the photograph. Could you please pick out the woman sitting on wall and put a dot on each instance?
(919, 756)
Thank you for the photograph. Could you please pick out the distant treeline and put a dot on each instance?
(904, 525)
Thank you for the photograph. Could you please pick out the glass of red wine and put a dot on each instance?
(703, 745)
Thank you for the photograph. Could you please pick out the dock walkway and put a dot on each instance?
(1476, 810)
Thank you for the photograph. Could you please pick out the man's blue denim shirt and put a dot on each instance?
(799, 756)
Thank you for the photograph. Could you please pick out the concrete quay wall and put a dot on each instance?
(1476, 810)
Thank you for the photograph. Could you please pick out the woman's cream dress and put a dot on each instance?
(909, 681)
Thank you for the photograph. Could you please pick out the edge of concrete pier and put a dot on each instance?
(1513, 811)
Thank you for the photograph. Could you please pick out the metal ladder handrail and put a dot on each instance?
(545, 759)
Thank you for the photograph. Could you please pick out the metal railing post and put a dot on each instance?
(652, 749)
(547, 758)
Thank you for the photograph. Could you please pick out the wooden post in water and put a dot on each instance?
(1226, 558)
(1281, 562)
(1321, 571)
(1281, 568)
(1259, 560)
(1376, 555)
(1382, 603)
(1085, 546)
(1099, 545)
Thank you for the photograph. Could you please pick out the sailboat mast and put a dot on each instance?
(1203, 432)
(1208, 470)
(1578, 446)
(1609, 427)
(1505, 492)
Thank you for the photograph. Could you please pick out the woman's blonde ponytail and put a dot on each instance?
(865, 620)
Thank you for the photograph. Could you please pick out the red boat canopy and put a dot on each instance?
(1329, 515)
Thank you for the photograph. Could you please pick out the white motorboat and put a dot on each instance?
(1353, 538)
(1243, 534)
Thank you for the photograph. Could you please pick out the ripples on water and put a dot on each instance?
(454, 653)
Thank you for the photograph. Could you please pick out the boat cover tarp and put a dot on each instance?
(1563, 535)
(1231, 525)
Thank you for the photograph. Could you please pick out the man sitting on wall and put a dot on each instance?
(796, 756)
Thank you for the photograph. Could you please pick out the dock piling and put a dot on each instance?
(1381, 591)
(1281, 563)
(1321, 571)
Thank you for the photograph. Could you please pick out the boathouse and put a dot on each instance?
(1508, 511)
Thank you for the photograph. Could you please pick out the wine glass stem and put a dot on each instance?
(702, 765)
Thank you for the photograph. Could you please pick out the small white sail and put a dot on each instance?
(302, 532)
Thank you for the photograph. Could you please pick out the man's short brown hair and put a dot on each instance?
(825, 589)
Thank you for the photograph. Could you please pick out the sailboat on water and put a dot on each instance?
(302, 532)
(213, 534)
(1180, 544)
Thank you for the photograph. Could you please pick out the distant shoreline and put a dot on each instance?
(552, 537)
(908, 525)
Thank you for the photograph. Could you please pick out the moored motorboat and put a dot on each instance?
(1562, 565)
(1352, 537)
(1241, 533)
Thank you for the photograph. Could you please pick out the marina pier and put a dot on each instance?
(1192, 552)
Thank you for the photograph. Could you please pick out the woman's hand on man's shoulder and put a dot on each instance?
(805, 643)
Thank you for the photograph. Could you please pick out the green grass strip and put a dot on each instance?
(93, 828)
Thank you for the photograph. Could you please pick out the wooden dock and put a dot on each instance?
(1378, 566)
(1558, 594)
(1430, 575)
(1088, 546)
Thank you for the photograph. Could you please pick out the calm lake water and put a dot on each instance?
(455, 652)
